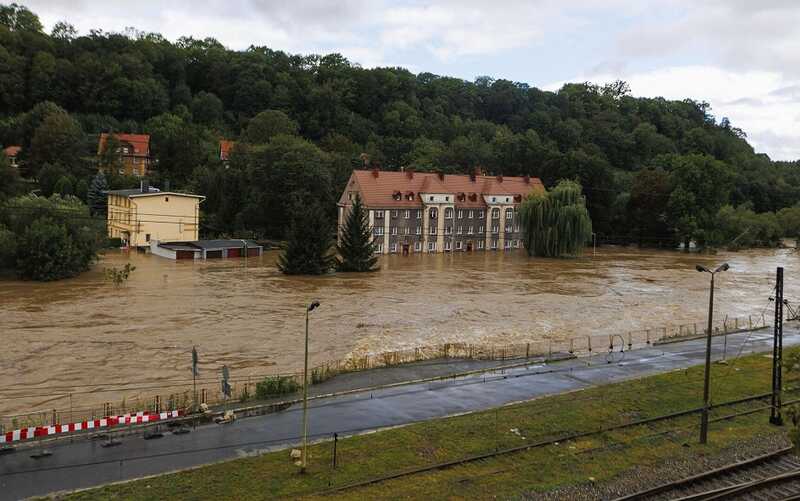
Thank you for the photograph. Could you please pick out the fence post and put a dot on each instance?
(648, 336)
(630, 340)
(695, 328)
(571, 346)
(527, 350)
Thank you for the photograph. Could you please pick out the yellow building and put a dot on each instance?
(138, 216)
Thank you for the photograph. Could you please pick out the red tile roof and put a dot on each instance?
(384, 189)
(225, 147)
(12, 151)
(139, 142)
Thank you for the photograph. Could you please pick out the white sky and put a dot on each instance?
(742, 56)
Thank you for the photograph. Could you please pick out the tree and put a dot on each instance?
(556, 223)
(97, 198)
(56, 236)
(58, 140)
(650, 192)
(308, 243)
(356, 248)
(207, 109)
(701, 186)
(9, 179)
(267, 125)
(64, 186)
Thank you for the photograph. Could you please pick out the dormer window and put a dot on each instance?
(397, 195)
(446, 199)
(410, 195)
(431, 199)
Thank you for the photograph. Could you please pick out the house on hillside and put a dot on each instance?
(205, 249)
(133, 150)
(225, 148)
(427, 212)
(12, 152)
(141, 215)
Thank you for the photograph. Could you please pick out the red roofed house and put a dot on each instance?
(12, 152)
(225, 148)
(426, 212)
(134, 150)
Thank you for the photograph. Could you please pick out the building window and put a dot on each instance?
(516, 244)
(509, 213)
(459, 230)
(434, 213)
(431, 246)
(480, 244)
(447, 245)
(495, 228)
(419, 213)
(508, 244)
(509, 228)
(417, 246)
(406, 214)
(379, 214)
(471, 214)
(166, 199)
(469, 230)
(407, 230)
(147, 237)
(458, 245)
(446, 199)
(516, 228)
(494, 243)
(460, 214)
(394, 230)
(419, 230)
(508, 199)
(379, 230)
(433, 230)
(431, 199)
(448, 213)
(393, 248)
(480, 214)
(495, 213)
(494, 199)
(480, 229)
(394, 213)
(378, 248)
(448, 230)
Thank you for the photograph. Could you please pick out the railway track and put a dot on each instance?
(773, 476)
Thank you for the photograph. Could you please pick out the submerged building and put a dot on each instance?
(428, 212)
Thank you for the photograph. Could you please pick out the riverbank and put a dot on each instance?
(551, 461)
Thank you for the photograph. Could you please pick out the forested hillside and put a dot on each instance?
(653, 170)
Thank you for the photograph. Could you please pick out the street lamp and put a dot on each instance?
(704, 416)
(311, 307)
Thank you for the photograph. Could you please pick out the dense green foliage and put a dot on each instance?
(302, 123)
(356, 249)
(308, 248)
(274, 386)
(48, 238)
(556, 223)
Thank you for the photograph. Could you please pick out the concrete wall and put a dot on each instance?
(165, 217)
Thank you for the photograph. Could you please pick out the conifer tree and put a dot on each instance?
(98, 201)
(308, 243)
(357, 249)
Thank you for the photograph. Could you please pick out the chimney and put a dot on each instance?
(402, 169)
(527, 179)
(500, 178)
(472, 176)
(441, 176)
(144, 186)
(376, 173)
(410, 173)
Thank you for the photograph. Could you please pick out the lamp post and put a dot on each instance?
(311, 307)
(704, 416)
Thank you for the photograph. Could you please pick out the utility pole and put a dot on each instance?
(777, 352)
(707, 374)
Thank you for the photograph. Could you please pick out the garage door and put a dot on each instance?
(184, 254)
(252, 252)
(234, 252)
(214, 254)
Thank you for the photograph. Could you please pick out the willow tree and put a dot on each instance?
(556, 223)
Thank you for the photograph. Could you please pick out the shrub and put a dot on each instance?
(274, 386)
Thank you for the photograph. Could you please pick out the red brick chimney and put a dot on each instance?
(376, 173)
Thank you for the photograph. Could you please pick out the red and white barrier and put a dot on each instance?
(44, 431)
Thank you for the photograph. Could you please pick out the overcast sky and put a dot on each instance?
(742, 56)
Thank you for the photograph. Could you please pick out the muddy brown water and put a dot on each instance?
(74, 335)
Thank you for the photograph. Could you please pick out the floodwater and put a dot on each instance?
(74, 335)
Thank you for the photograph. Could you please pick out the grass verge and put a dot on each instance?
(595, 458)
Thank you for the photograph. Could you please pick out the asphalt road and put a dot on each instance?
(85, 463)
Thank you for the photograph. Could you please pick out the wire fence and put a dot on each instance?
(77, 406)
